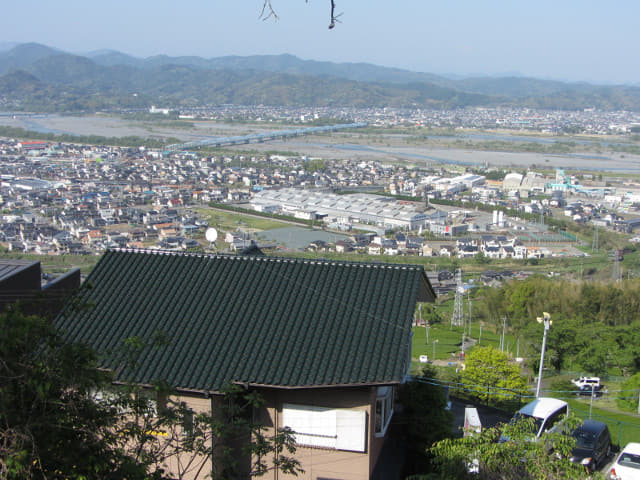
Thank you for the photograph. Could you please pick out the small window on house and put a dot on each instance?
(384, 410)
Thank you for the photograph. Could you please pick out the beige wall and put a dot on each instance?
(321, 463)
(317, 463)
(190, 467)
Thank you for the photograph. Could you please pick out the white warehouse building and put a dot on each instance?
(357, 208)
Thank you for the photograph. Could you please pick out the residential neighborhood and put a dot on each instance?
(81, 199)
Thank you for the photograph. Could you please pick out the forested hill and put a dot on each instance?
(52, 80)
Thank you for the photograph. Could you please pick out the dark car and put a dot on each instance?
(593, 444)
(596, 391)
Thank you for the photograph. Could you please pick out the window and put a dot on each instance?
(384, 410)
(335, 428)
(630, 460)
(556, 418)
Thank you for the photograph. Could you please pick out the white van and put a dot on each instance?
(547, 413)
(587, 382)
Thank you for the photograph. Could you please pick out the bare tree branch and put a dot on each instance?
(269, 12)
(334, 17)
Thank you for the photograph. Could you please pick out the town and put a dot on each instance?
(60, 198)
(159, 218)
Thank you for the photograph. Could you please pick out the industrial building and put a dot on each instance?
(353, 209)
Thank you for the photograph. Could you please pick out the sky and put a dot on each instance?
(569, 40)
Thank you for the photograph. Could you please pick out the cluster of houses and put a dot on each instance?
(64, 198)
(588, 120)
(491, 246)
(89, 231)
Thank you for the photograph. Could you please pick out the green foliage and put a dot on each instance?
(563, 387)
(428, 313)
(482, 259)
(481, 456)
(492, 377)
(315, 165)
(595, 325)
(425, 417)
(158, 429)
(51, 427)
(62, 417)
(630, 387)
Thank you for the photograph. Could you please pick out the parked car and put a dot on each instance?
(593, 444)
(627, 465)
(547, 413)
(586, 382)
(596, 391)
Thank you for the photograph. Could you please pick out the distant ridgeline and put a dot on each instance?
(31, 77)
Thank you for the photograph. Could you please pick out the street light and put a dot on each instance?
(434, 348)
(546, 319)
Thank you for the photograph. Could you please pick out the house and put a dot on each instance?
(374, 249)
(428, 250)
(21, 281)
(344, 246)
(447, 250)
(325, 343)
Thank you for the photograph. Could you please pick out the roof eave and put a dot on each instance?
(426, 293)
(304, 387)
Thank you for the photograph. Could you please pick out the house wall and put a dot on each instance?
(187, 466)
(324, 463)
(317, 463)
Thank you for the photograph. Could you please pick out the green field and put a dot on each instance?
(57, 264)
(447, 346)
(230, 221)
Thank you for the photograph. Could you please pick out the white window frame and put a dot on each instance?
(383, 410)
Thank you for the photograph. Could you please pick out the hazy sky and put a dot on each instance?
(576, 40)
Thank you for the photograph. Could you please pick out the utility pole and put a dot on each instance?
(546, 319)
(470, 308)
(457, 318)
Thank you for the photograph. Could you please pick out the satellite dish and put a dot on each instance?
(211, 234)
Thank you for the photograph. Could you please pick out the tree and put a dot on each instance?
(174, 434)
(315, 165)
(491, 376)
(482, 259)
(62, 417)
(426, 418)
(630, 390)
(50, 426)
(483, 456)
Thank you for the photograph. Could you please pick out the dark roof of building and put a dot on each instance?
(9, 268)
(249, 319)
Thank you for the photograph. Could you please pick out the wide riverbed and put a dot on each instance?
(336, 146)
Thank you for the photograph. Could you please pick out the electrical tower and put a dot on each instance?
(616, 265)
(594, 244)
(457, 318)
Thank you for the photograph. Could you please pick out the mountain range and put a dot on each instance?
(35, 77)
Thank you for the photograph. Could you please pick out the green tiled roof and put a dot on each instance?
(255, 320)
